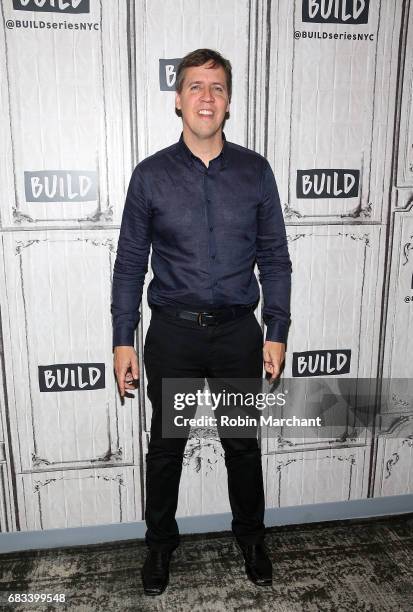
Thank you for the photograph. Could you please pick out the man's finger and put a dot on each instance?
(135, 369)
(275, 374)
(121, 380)
(272, 368)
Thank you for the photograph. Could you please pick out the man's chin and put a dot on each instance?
(205, 132)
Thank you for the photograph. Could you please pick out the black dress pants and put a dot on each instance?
(176, 348)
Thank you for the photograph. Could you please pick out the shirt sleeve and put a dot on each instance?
(131, 262)
(273, 260)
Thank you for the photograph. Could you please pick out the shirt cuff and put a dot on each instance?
(277, 331)
(123, 337)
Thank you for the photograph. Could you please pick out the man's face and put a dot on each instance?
(203, 100)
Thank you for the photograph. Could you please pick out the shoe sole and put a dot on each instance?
(152, 594)
(156, 593)
(265, 582)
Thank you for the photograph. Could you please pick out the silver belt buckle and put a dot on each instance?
(199, 319)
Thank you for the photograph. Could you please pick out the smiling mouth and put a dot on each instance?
(205, 113)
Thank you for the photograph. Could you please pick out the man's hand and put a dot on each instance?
(125, 363)
(274, 353)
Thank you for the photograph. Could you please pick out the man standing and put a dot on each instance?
(211, 210)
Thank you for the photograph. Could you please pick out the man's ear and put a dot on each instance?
(178, 101)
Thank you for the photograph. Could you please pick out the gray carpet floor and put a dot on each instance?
(345, 566)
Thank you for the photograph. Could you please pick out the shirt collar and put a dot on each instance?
(190, 158)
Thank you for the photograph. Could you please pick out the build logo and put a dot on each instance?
(71, 377)
(52, 6)
(335, 11)
(60, 186)
(328, 183)
(167, 73)
(321, 363)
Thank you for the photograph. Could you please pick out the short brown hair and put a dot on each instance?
(199, 57)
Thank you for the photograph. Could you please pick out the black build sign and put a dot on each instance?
(167, 73)
(321, 363)
(336, 11)
(72, 377)
(52, 6)
(328, 183)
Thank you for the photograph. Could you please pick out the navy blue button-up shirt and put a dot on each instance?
(208, 226)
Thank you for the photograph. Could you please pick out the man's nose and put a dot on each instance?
(207, 94)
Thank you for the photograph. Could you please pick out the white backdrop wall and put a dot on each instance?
(87, 91)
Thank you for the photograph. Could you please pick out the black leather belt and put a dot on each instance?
(206, 318)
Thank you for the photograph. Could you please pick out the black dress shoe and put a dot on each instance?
(257, 564)
(155, 571)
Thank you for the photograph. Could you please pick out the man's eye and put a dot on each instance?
(219, 88)
(194, 86)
